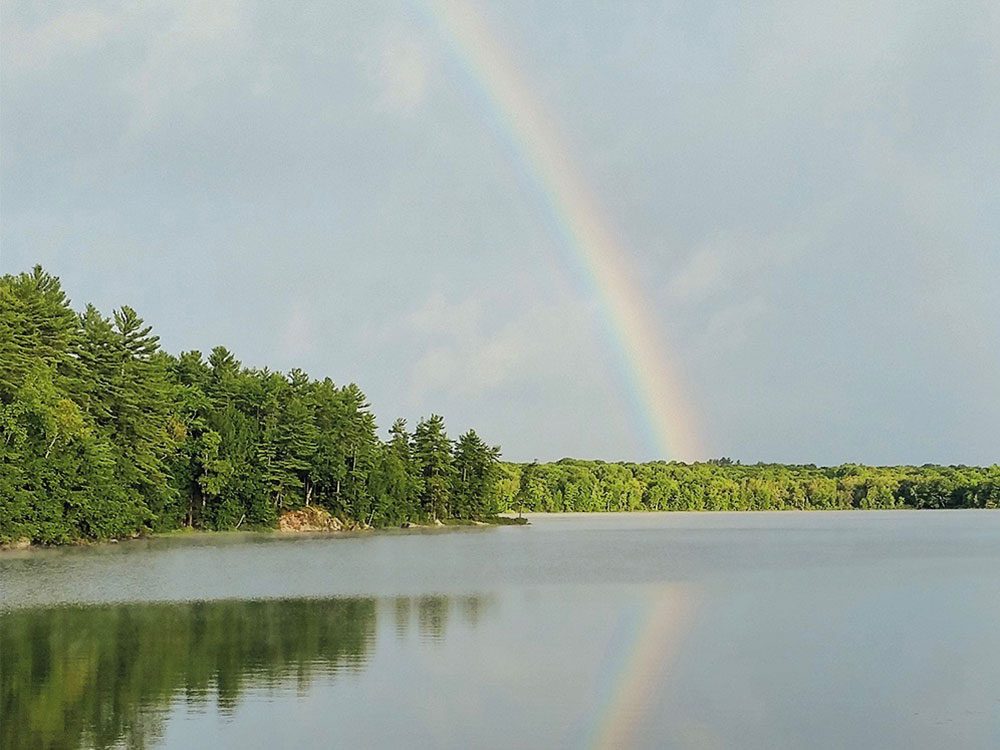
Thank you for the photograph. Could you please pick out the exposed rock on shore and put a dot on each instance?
(314, 519)
(16, 544)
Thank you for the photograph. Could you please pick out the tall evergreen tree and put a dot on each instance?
(476, 477)
(432, 453)
(395, 483)
(359, 440)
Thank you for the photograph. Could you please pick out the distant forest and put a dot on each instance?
(572, 485)
(104, 435)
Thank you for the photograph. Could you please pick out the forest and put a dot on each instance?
(104, 435)
(572, 485)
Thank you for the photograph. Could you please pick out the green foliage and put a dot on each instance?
(571, 485)
(103, 435)
(476, 477)
(395, 479)
(436, 467)
(531, 491)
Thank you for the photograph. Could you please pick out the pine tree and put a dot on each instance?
(329, 463)
(360, 441)
(38, 329)
(472, 461)
(432, 453)
(395, 483)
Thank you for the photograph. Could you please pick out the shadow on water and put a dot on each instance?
(102, 676)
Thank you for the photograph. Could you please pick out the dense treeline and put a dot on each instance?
(102, 434)
(571, 485)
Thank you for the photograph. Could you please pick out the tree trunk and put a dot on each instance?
(49, 449)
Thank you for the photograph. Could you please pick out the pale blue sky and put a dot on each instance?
(810, 192)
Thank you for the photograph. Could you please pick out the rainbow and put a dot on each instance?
(668, 424)
(641, 651)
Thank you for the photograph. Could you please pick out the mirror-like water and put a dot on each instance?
(704, 631)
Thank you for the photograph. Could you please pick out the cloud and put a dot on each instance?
(438, 316)
(463, 349)
(951, 270)
(799, 186)
(729, 326)
(187, 45)
(35, 48)
(733, 261)
(297, 339)
(704, 274)
(180, 45)
(723, 296)
(401, 70)
(835, 59)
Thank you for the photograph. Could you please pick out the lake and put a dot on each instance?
(714, 630)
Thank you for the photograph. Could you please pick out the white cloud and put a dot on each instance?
(704, 274)
(726, 290)
(834, 58)
(188, 44)
(401, 69)
(951, 272)
(181, 45)
(262, 132)
(731, 261)
(463, 349)
(729, 326)
(35, 48)
(438, 316)
(298, 339)
(461, 353)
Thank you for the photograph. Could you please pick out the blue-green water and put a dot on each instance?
(820, 630)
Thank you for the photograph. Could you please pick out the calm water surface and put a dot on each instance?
(820, 630)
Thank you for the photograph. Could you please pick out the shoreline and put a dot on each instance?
(192, 534)
(506, 518)
(769, 511)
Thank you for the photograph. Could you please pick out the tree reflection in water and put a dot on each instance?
(103, 675)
